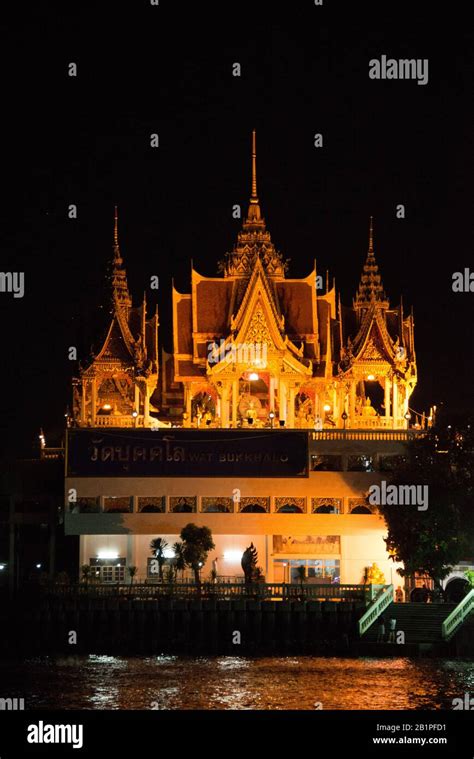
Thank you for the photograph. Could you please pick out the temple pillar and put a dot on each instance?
(225, 406)
(387, 398)
(235, 398)
(188, 399)
(93, 400)
(352, 403)
(395, 403)
(136, 404)
(335, 407)
(283, 400)
(83, 401)
(146, 407)
(272, 393)
(291, 407)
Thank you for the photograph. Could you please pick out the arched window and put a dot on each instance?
(182, 508)
(253, 508)
(289, 508)
(326, 508)
(361, 510)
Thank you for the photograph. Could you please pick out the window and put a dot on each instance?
(253, 508)
(183, 505)
(153, 505)
(361, 463)
(290, 508)
(361, 510)
(317, 571)
(108, 570)
(326, 463)
(117, 504)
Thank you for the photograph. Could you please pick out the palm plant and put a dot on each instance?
(179, 560)
(132, 572)
(158, 547)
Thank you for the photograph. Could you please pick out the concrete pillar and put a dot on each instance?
(291, 407)
(93, 400)
(283, 400)
(387, 398)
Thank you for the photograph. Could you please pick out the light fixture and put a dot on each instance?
(2, 566)
(38, 566)
(106, 407)
(370, 377)
(168, 553)
(272, 415)
(107, 553)
(253, 377)
(232, 555)
(134, 414)
(327, 407)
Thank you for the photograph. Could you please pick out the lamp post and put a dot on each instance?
(408, 417)
(271, 417)
(344, 418)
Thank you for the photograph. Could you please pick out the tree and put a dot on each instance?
(158, 547)
(197, 542)
(132, 572)
(179, 560)
(86, 572)
(432, 540)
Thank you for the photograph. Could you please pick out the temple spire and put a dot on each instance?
(254, 198)
(254, 216)
(371, 236)
(120, 293)
(370, 285)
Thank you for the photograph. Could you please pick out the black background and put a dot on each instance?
(168, 69)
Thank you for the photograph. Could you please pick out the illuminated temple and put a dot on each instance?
(321, 387)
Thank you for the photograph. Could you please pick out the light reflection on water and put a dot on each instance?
(230, 682)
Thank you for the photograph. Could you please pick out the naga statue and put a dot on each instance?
(249, 563)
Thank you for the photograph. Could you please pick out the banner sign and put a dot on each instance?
(187, 453)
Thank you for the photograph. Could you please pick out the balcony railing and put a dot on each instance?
(262, 591)
(118, 420)
(402, 435)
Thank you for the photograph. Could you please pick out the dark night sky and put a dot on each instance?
(144, 69)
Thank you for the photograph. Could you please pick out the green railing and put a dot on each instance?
(383, 599)
(454, 621)
(264, 591)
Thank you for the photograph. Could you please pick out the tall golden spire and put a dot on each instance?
(254, 216)
(120, 292)
(116, 242)
(254, 198)
(370, 285)
(371, 236)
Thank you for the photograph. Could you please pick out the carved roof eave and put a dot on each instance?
(373, 315)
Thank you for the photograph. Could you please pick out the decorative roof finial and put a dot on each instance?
(254, 198)
(371, 236)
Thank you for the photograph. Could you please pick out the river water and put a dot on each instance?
(225, 682)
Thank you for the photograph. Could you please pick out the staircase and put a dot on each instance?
(420, 622)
